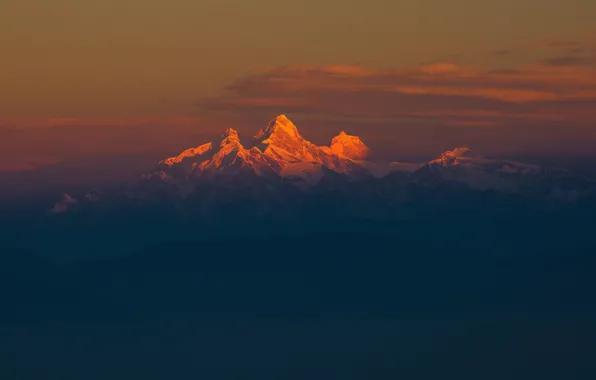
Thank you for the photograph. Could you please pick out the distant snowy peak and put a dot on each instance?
(278, 128)
(279, 149)
(230, 136)
(189, 153)
(282, 140)
(452, 157)
(278, 157)
(349, 146)
(463, 158)
(460, 165)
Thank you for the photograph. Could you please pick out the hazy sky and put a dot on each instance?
(135, 57)
(145, 59)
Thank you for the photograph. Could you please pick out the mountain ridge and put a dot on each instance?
(279, 161)
(278, 149)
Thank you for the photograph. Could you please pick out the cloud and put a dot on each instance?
(442, 92)
(583, 45)
(569, 60)
(563, 44)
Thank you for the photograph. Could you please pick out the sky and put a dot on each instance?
(82, 79)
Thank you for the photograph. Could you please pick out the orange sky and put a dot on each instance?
(84, 78)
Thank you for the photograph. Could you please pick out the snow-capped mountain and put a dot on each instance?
(279, 150)
(278, 163)
(464, 157)
(460, 165)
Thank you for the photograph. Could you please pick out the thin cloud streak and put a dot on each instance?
(563, 44)
(463, 95)
(569, 60)
(502, 52)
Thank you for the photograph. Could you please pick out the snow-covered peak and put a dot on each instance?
(462, 157)
(281, 124)
(281, 140)
(349, 146)
(482, 173)
(452, 157)
(192, 152)
(230, 132)
(230, 136)
(279, 148)
(278, 129)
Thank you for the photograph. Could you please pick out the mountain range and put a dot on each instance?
(279, 195)
(277, 151)
(280, 165)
